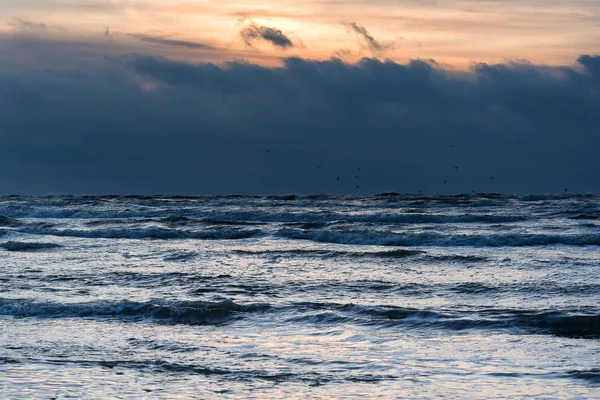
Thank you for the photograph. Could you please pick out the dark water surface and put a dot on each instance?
(481, 296)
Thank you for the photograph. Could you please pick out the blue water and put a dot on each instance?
(390, 296)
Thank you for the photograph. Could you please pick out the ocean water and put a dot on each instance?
(389, 296)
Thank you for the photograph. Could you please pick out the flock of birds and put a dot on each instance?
(319, 166)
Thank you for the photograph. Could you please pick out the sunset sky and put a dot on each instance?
(453, 32)
(131, 96)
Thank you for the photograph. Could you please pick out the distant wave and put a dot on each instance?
(9, 222)
(401, 253)
(309, 219)
(181, 256)
(171, 221)
(544, 197)
(188, 215)
(531, 322)
(584, 216)
(28, 246)
(218, 312)
(201, 312)
(149, 233)
(590, 375)
(436, 239)
(457, 258)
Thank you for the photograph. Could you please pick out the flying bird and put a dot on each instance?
(492, 177)
(356, 187)
(319, 166)
(268, 150)
(338, 178)
(566, 190)
(356, 177)
(445, 181)
(456, 168)
(359, 170)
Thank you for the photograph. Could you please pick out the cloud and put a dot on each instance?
(145, 124)
(591, 64)
(276, 37)
(370, 41)
(168, 42)
(29, 25)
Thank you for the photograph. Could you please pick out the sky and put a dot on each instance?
(208, 97)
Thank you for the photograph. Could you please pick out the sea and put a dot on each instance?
(389, 296)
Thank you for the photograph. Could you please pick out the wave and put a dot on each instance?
(28, 246)
(435, 239)
(584, 216)
(149, 233)
(224, 311)
(545, 197)
(401, 253)
(287, 197)
(590, 375)
(9, 222)
(194, 312)
(310, 218)
(155, 366)
(458, 258)
(517, 321)
(181, 256)
(246, 213)
(171, 221)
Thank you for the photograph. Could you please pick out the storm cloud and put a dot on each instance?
(145, 124)
(276, 37)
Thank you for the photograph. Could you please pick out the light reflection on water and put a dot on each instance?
(323, 316)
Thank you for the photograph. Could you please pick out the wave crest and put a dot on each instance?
(28, 246)
(199, 312)
(435, 239)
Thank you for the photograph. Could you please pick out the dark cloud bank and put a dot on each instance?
(142, 124)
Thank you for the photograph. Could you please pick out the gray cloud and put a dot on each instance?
(147, 124)
(370, 41)
(276, 37)
(29, 25)
(168, 42)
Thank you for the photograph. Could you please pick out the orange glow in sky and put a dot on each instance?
(453, 32)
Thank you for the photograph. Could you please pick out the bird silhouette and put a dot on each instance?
(359, 170)
(338, 178)
(356, 187)
(452, 145)
(268, 150)
(456, 168)
(319, 166)
(566, 190)
(492, 177)
(445, 181)
(356, 177)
